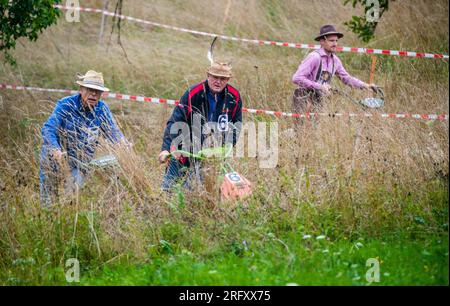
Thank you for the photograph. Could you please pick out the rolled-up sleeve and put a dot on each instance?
(305, 74)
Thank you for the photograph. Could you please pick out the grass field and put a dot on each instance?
(344, 190)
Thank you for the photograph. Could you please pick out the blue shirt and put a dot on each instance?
(212, 106)
(76, 129)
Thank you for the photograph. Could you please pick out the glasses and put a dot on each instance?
(93, 91)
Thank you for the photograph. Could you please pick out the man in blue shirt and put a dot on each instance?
(73, 129)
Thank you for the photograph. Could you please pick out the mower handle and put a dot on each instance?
(205, 153)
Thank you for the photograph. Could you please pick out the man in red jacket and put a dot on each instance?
(213, 102)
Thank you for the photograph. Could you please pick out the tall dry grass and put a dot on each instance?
(355, 176)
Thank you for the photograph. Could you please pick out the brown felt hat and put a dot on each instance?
(328, 30)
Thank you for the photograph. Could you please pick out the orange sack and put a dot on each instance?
(235, 186)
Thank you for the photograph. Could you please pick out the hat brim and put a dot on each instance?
(218, 74)
(339, 35)
(93, 86)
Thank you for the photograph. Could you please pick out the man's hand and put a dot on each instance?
(57, 155)
(163, 156)
(326, 89)
(370, 86)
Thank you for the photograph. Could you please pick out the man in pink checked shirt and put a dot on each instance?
(314, 74)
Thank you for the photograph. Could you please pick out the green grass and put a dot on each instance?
(300, 261)
(293, 260)
(260, 244)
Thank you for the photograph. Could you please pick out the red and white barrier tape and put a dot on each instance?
(257, 41)
(118, 96)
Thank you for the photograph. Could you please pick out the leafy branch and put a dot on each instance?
(365, 26)
(24, 18)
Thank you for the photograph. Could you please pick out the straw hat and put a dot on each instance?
(220, 69)
(328, 30)
(92, 79)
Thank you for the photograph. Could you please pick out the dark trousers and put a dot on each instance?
(306, 100)
(184, 173)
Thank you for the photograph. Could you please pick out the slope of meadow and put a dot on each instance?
(344, 190)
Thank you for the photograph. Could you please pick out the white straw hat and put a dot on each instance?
(92, 79)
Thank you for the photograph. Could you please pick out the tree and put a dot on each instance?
(365, 26)
(24, 18)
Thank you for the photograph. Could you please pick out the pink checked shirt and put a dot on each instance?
(305, 76)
